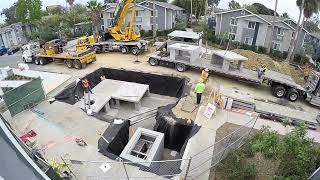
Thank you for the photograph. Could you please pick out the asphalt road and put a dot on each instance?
(11, 60)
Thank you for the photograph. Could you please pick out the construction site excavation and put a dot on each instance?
(130, 112)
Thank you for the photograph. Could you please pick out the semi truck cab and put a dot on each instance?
(312, 87)
(29, 52)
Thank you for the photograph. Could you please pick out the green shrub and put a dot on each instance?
(267, 142)
(234, 167)
(142, 32)
(261, 50)
(276, 54)
(297, 58)
(284, 54)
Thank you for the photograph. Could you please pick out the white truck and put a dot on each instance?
(29, 51)
(182, 55)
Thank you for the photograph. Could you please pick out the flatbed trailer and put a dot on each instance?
(76, 60)
(135, 47)
(183, 56)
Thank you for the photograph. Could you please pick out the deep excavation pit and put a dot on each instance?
(176, 131)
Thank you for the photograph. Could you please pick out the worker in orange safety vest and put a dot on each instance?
(205, 74)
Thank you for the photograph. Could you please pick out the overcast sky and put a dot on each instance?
(288, 6)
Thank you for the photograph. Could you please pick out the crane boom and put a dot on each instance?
(118, 21)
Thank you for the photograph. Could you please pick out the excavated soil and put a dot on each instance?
(256, 60)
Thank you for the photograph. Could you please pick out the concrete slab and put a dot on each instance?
(12, 84)
(121, 90)
(50, 81)
(99, 102)
(144, 146)
(285, 112)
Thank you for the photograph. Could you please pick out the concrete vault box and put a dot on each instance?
(144, 146)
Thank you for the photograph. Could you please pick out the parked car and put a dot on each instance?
(13, 50)
(3, 51)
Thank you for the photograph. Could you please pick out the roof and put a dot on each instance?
(186, 34)
(185, 47)
(316, 35)
(113, 5)
(234, 10)
(250, 15)
(18, 165)
(166, 5)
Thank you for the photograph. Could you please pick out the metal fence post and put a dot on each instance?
(187, 170)
(125, 170)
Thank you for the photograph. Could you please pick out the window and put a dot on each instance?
(147, 3)
(243, 12)
(152, 26)
(102, 27)
(138, 14)
(233, 21)
(111, 15)
(138, 27)
(251, 25)
(280, 31)
(248, 40)
(233, 29)
(275, 46)
(156, 13)
(101, 15)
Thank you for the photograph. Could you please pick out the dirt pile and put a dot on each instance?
(257, 60)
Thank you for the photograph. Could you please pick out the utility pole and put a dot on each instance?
(154, 29)
(191, 11)
(272, 27)
(293, 44)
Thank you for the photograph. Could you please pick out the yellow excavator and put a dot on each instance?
(116, 38)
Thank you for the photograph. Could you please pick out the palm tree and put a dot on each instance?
(272, 26)
(307, 8)
(70, 2)
(95, 9)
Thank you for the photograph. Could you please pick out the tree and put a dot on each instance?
(10, 14)
(198, 6)
(70, 2)
(251, 8)
(262, 9)
(285, 15)
(28, 11)
(234, 5)
(214, 2)
(95, 9)
(311, 26)
(307, 8)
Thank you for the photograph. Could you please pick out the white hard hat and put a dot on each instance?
(206, 69)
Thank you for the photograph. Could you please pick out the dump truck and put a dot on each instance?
(115, 39)
(53, 52)
(182, 55)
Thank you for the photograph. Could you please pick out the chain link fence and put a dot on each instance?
(191, 168)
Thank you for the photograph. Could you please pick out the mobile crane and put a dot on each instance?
(114, 38)
(52, 52)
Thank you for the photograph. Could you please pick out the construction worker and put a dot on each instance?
(205, 74)
(199, 89)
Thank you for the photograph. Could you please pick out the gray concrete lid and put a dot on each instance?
(184, 47)
(185, 34)
(229, 55)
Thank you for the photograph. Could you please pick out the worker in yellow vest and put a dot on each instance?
(199, 89)
(205, 74)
